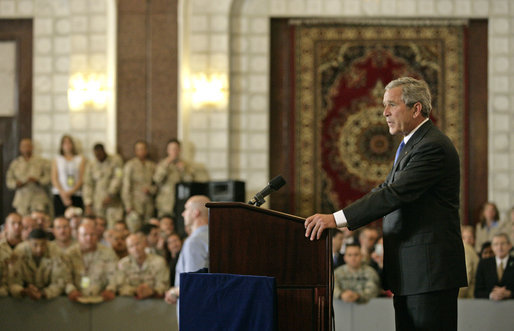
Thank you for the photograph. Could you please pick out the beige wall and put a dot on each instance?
(233, 39)
(70, 36)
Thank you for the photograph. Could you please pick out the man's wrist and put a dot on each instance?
(340, 219)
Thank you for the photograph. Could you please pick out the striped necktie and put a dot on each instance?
(398, 151)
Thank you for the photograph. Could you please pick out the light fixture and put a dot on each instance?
(87, 90)
(209, 90)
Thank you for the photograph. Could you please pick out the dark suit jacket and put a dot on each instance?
(487, 277)
(423, 250)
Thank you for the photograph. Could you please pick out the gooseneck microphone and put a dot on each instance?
(274, 185)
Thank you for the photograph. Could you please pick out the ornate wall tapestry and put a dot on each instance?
(342, 144)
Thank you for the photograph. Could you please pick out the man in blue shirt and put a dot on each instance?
(195, 252)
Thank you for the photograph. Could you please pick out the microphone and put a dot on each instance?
(274, 185)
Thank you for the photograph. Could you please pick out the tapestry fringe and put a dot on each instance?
(378, 21)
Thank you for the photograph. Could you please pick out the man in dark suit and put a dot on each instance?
(424, 263)
(495, 275)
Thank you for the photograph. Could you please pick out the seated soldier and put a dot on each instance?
(4, 265)
(122, 226)
(92, 266)
(42, 219)
(167, 226)
(495, 275)
(12, 231)
(38, 271)
(101, 225)
(43, 222)
(355, 281)
(62, 234)
(74, 214)
(11, 238)
(142, 275)
(152, 235)
(117, 242)
(28, 224)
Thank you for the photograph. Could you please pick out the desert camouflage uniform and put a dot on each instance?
(104, 179)
(153, 273)
(5, 261)
(137, 176)
(49, 276)
(365, 282)
(166, 177)
(92, 272)
(33, 195)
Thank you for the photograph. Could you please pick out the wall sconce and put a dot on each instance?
(87, 90)
(210, 91)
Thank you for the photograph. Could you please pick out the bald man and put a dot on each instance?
(195, 252)
(92, 266)
(29, 175)
(142, 275)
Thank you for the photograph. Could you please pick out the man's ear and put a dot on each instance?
(417, 110)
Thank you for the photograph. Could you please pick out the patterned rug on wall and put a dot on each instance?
(342, 145)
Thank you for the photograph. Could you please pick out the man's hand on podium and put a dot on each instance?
(317, 223)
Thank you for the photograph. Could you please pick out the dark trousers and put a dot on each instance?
(426, 311)
(59, 207)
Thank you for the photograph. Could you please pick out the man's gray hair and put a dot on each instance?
(413, 90)
(504, 235)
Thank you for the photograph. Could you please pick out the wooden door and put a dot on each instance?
(15, 123)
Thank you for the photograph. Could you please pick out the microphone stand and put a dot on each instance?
(257, 200)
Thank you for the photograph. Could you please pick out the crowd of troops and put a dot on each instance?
(134, 191)
(50, 261)
(119, 239)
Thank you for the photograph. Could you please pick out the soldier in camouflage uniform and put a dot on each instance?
(11, 238)
(5, 256)
(142, 275)
(168, 173)
(12, 232)
(29, 175)
(62, 233)
(38, 271)
(102, 185)
(138, 190)
(92, 266)
(28, 224)
(355, 281)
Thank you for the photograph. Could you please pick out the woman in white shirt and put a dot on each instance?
(67, 177)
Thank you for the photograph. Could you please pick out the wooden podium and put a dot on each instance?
(248, 240)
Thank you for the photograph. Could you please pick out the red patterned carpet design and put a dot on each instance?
(342, 144)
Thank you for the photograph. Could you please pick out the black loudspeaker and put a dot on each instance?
(231, 190)
(184, 191)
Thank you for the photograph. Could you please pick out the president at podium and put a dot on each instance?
(419, 200)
